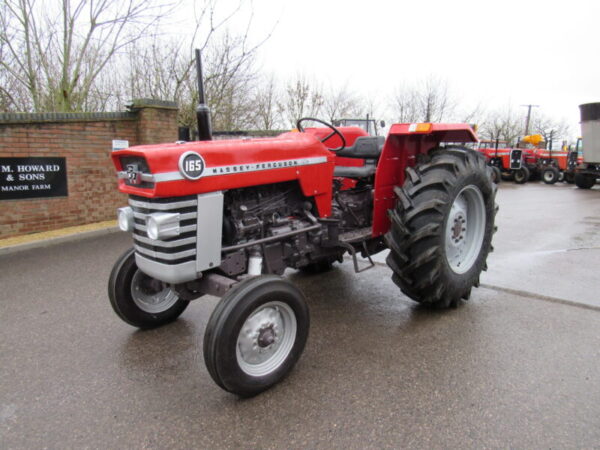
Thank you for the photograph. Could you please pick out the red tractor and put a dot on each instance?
(227, 218)
(558, 165)
(506, 161)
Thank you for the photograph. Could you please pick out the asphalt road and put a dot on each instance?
(516, 366)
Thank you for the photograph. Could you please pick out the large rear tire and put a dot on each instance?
(256, 334)
(442, 226)
(584, 181)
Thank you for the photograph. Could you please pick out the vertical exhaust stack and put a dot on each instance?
(202, 111)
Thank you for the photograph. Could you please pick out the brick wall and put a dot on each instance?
(85, 140)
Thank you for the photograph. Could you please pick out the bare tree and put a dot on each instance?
(302, 98)
(472, 115)
(267, 114)
(434, 100)
(164, 69)
(340, 102)
(56, 51)
(550, 128)
(405, 104)
(503, 124)
(426, 101)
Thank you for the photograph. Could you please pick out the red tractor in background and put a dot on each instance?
(558, 165)
(505, 161)
(227, 218)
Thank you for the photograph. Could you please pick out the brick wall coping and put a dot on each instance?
(139, 103)
(7, 118)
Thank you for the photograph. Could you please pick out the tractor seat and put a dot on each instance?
(364, 147)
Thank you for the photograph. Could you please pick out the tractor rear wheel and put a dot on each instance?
(550, 175)
(570, 177)
(522, 175)
(584, 181)
(442, 226)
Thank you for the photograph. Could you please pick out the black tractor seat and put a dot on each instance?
(365, 147)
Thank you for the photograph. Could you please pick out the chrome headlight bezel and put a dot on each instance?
(163, 225)
(125, 219)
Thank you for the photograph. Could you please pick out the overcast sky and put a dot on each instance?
(491, 52)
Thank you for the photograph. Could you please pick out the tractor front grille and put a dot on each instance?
(174, 250)
(516, 159)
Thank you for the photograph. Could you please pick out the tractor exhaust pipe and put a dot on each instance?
(202, 111)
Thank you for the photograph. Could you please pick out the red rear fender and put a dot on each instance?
(404, 143)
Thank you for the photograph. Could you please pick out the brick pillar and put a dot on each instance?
(157, 121)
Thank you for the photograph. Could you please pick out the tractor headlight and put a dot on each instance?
(125, 218)
(162, 225)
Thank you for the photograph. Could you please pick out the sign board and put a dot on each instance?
(119, 144)
(35, 177)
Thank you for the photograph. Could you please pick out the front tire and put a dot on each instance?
(442, 226)
(140, 300)
(496, 174)
(550, 175)
(521, 176)
(256, 335)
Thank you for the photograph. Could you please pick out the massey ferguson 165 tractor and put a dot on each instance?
(227, 218)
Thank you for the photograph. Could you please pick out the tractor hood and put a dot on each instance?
(179, 169)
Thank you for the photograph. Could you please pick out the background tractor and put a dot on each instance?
(227, 218)
(505, 161)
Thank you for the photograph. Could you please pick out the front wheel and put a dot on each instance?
(256, 334)
(140, 300)
(496, 174)
(442, 226)
(522, 175)
(550, 175)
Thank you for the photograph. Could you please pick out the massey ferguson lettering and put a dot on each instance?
(253, 167)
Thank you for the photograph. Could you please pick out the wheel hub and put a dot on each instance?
(463, 242)
(151, 295)
(459, 228)
(266, 338)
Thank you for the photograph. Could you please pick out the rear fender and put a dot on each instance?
(404, 143)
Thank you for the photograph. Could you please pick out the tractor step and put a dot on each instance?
(355, 236)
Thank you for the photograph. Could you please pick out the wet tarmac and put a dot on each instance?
(510, 368)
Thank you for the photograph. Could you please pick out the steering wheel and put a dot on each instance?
(334, 131)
